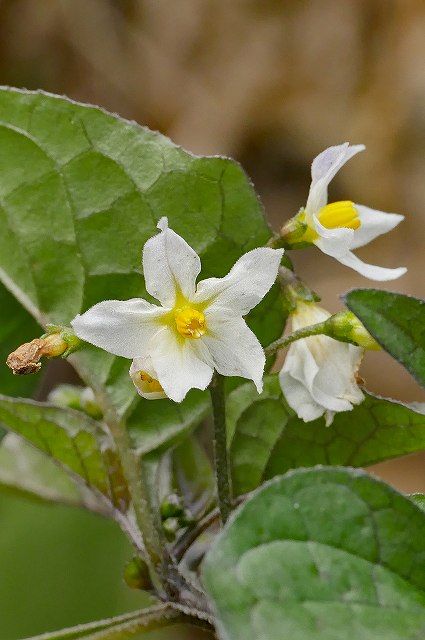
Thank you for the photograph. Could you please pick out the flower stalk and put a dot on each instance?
(222, 468)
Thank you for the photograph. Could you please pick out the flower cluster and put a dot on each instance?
(198, 327)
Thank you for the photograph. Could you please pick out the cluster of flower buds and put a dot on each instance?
(174, 516)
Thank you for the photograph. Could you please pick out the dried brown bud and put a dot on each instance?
(25, 359)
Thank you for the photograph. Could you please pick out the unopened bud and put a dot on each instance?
(171, 507)
(170, 527)
(347, 327)
(136, 575)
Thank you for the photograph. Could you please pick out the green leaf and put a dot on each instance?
(81, 192)
(419, 500)
(193, 476)
(269, 439)
(73, 439)
(397, 322)
(31, 474)
(17, 327)
(320, 554)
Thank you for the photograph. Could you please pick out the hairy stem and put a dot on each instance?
(143, 511)
(305, 332)
(135, 478)
(222, 470)
(125, 626)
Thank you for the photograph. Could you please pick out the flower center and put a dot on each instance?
(339, 214)
(190, 323)
(149, 383)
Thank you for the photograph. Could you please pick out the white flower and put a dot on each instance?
(197, 328)
(318, 376)
(339, 227)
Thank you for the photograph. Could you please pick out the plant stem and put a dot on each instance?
(188, 538)
(305, 332)
(222, 470)
(132, 465)
(126, 625)
(134, 474)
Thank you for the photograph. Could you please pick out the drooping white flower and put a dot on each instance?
(339, 227)
(197, 327)
(319, 373)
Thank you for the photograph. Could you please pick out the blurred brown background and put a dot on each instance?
(271, 83)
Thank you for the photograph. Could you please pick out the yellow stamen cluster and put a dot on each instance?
(151, 384)
(339, 214)
(190, 323)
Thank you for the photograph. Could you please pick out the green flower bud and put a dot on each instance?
(136, 575)
(171, 507)
(170, 527)
(345, 326)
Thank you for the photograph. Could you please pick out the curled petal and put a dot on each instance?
(370, 271)
(323, 169)
(373, 224)
(180, 365)
(234, 349)
(170, 266)
(245, 285)
(123, 328)
(334, 242)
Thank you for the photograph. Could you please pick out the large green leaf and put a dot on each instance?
(268, 438)
(73, 439)
(320, 554)
(397, 322)
(82, 191)
(29, 473)
(16, 327)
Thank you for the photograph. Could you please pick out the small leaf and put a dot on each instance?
(28, 472)
(71, 438)
(397, 322)
(269, 439)
(318, 555)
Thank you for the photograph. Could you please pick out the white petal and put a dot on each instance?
(373, 224)
(334, 242)
(246, 283)
(123, 328)
(145, 364)
(180, 365)
(319, 372)
(299, 398)
(323, 169)
(170, 266)
(234, 349)
(370, 271)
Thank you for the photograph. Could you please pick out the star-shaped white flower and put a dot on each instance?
(319, 373)
(197, 328)
(339, 227)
